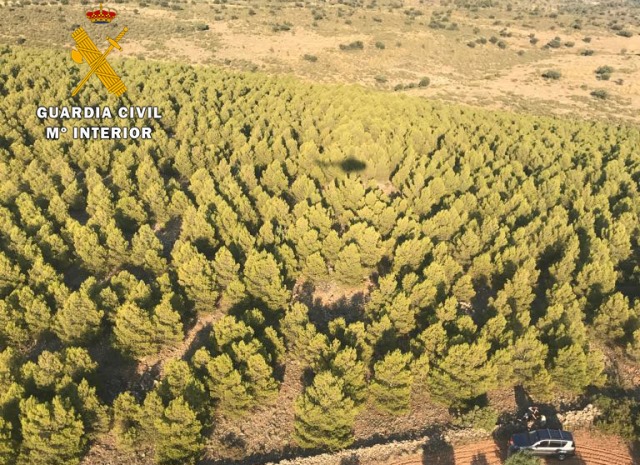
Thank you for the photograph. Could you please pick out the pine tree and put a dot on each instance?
(574, 369)
(10, 275)
(595, 280)
(225, 267)
(516, 296)
(166, 323)
(178, 439)
(134, 331)
(619, 242)
(263, 280)
(401, 313)
(325, 415)
(52, 434)
(345, 366)
(612, 317)
(331, 246)
(633, 348)
(94, 414)
(79, 320)
(8, 450)
(152, 410)
(527, 363)
(302, 338)
(316, 268)
(259, 379)
(179, 380)
(88, 247)
(391, 385)
(411, 253)
(464, 373)
(126, 417)
(463, 289)
(117, 246)
(348, 268)
(55, 370)
(225, 383)
(146, 250)
(195, 273)
(371, 251)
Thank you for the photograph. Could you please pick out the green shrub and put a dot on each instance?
(502, 44)
(202, 27)
(398, 87)
(620, 417)
(479, 417)
(625, 33)
(586, 40)
(604, 70)
(471, 44)
(311, 58)
(357, 45)
(380, 45)
(600, 94)
(552, 74)
(587, 52)
(381, 78)
(286, 26)
(534, 40)
(493, 39)
(424, 82)
(523, 458)
(603, 73)
(569, 44)
(555, 43)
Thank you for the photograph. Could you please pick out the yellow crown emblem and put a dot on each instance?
(101, 16)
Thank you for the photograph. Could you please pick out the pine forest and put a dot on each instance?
(316, 252)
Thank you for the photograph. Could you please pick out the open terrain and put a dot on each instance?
(489, 54)
(593, 449)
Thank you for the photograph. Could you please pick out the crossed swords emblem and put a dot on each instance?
(87, 51)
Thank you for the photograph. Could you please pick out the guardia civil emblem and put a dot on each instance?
(86, 51)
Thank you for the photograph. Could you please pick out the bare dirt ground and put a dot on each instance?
(398, 49)
(592, 449)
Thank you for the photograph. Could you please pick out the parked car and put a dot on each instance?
(544, 443)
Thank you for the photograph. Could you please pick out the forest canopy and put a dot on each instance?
(491, 250)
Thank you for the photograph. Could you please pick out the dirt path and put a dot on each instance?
(592, 449)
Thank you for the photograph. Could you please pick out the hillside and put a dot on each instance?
(495, 54)
(290, 266)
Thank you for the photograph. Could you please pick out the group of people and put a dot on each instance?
(533, 418)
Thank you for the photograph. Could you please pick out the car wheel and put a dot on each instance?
(561, 456)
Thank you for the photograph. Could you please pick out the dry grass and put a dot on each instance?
(485, 75)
